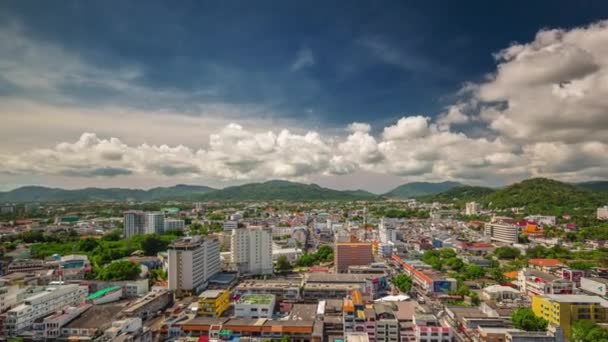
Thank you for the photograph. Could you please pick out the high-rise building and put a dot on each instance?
(472, 208)
(352, 254)
(251, 250)
(42, 304)
(174, 224)
(134, 223)
(503, 232)
(155, 223)
(386, 232)
(192, 261)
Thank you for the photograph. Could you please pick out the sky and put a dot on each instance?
(347, 95)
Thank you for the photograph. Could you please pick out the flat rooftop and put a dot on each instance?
(577, 299)
(97, 316)
(256, 299)
(211, 294)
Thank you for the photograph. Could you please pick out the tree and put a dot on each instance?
(474, 272)
(112, 236)
(283, 264)
(454, 263)
(403, 282)
(120, 270)
(507, 252)
(88, 244)
(588, 331)
(152, 244)
(524, 318)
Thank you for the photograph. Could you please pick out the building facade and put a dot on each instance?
(43, 304)
(502, 232)
(155, 223)
(352, 254)
(251, 251)
(564, 310)
(134, 223)
(192, 261)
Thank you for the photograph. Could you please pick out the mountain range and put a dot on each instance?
(417, 189)
(528, 192)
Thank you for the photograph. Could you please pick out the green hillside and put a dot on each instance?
(459, 194)
(283, 190)
(44, 194)
(417, 189)
(542, 195)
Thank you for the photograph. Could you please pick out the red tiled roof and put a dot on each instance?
(545, 262)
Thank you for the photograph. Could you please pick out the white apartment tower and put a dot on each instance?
(134, 223)
(192, 261)
(472, 208)
(174, 224)
(155, 223)
(251, 251)
(503, 232)
(386, 232)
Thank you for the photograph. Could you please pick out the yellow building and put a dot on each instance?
(564, 310)
(213, 302)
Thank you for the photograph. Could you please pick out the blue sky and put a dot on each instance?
(306, 66)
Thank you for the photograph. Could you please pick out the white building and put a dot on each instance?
(472, 208)
(386, 232)
(542, 219)
(192, 261)
(230, 225)
(427, 328)
(255, 306)
(602, 213)
(503, 232)
(174, 224)
(42, 304)
(251, 251)
(596, 286)
(155, 223)
(134, 223)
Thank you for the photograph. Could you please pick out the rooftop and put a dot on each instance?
(545, 262)
(211, 294)
(97, 316)
(577, 299)
(257, 299)
(103, 292)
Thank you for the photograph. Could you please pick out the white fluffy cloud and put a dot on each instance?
(543, 112)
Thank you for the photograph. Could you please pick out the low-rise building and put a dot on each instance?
(595, 285)
(564, 310)
(213, 302)
(282, 289)
(428, 329)
(146, 307)
(534, 282)
(42, 304)
(255, 306)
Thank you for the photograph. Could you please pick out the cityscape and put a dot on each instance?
(391, 171)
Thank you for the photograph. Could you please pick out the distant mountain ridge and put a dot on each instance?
(284, 190)
(271, 190)
(417, 189)
(44, 194)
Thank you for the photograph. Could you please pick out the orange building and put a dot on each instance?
(352, 254)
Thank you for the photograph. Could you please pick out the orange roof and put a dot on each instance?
(545, 262)
(481, 245)
(511, 275)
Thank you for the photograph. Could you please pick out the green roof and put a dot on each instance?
(103, 292)
(257, 299)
